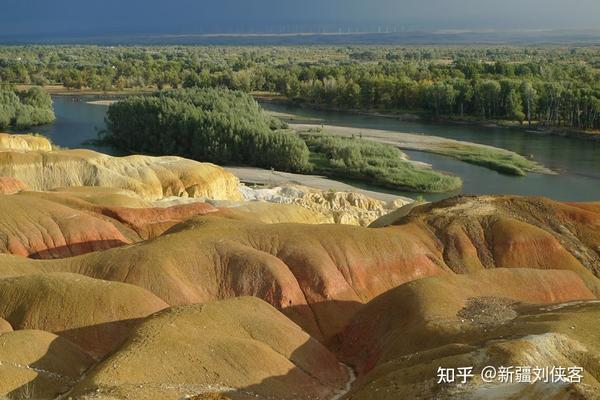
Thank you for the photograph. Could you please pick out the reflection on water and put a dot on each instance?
(576, 160)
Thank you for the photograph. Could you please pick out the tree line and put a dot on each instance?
(554, 95)
(548, 86)
(217, 125)
(22, 110)
(230, 128)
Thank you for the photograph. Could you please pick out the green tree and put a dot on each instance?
(529, 99)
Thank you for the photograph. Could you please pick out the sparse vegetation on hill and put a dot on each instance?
(23, 110)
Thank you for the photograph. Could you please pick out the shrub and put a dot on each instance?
(216, 125)
(27, 109)
(376, 163)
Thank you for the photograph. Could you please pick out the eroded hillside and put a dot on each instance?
(125, 278)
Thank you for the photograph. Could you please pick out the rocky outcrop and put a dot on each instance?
(321, 275)
(459, 282)
(270, 213)
(513, 232)
(11, 185)
(96, 315)
(39, 365)
(432, 312)
(347, 207)
(103, 196)
(5, 326)
(394, 216)
(125, 269)
(152, 178)
(64, 223)
(241, 347)
(152, 222)
(37, 228)
(337, 207)
(477, 320)
(27, 142)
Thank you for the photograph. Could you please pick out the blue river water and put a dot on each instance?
(577, 161)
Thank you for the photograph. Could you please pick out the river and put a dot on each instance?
(76, 123)
(577, 161)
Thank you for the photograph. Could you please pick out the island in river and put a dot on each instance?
(574, 161)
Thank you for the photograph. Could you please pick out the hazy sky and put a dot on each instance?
(35, 17)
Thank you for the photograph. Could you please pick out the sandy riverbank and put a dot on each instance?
(102, 102)
(498, 159)
(260, 176)
(416, 116)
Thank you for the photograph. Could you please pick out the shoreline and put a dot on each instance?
(56, 90)
(102, 102)
(59, 90)
(261, 176)
(501, 160)
(415, 116)
(494, 158)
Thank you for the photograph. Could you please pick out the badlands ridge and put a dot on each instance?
(164, 278)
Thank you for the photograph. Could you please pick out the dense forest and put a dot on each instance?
(25, 109)
(230, 128)
(546, 86)
(217, 125)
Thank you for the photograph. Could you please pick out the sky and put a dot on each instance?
(38, 18)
